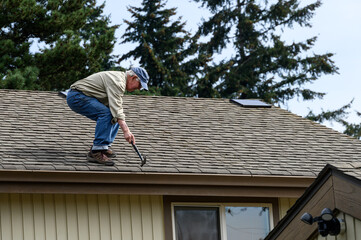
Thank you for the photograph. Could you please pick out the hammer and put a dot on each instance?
(142, 159)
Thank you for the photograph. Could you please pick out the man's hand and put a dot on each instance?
(129, 137)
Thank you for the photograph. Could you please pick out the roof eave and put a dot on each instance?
(152, 183)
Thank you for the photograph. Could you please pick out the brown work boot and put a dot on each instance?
(110, 153)
(99, 157)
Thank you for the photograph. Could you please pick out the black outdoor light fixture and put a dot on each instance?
(327, 223)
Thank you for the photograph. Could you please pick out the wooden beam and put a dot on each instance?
(347, 195)
(296, 229)
(332, 189)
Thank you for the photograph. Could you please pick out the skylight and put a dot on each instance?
(251, 103)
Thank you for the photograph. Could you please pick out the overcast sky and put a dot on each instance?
(337, 26)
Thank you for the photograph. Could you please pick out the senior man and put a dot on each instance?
(99, 97)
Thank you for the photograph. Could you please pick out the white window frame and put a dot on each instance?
(222, 214)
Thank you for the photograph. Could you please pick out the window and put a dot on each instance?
(201, 223)
(247, 222)
(221, 221)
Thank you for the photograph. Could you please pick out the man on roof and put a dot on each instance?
(99, 97)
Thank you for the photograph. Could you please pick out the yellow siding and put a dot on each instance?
(284, 205)
(80, 217)
(353, 227)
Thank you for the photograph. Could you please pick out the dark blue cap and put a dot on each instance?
(143, 76)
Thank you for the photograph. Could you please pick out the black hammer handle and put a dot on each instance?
(143, 160)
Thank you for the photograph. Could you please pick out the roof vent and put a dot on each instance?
(251, 103)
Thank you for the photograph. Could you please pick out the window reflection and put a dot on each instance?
(247, 223)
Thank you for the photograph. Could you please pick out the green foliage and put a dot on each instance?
(164, 48)
(352, 129)
(336, 115)
(21, 79)
(152, 91)
(75, 40)
(263, 66)
(339, 116)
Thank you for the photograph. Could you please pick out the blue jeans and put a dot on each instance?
(105, 131)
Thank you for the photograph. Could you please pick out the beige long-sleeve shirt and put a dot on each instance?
(108, 87)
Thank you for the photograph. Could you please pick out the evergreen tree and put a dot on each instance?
(74, 38)
(262, 66)
(353, 129)
(165, 49)
(339, 115)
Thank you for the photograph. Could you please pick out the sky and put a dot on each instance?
(337, 25)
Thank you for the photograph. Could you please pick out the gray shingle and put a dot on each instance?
(179, 135)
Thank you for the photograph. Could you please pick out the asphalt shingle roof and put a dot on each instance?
(39, 132)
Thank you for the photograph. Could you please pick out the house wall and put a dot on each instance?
(284, 205)
(353, 229)
(87, 217)
(80, 217)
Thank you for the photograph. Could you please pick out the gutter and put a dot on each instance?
(151, 183)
